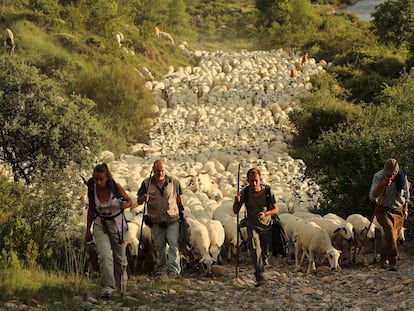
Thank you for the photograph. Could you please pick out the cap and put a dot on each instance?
(391, 166)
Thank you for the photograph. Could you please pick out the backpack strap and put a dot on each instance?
(245, 193)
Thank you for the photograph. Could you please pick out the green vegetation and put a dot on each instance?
(69, 91)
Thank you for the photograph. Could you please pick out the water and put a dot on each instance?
(363, 9)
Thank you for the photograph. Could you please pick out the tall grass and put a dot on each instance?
(17, 281)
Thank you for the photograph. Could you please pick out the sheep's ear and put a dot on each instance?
(337, 229)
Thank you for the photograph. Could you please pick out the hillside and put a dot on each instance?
(75, 44)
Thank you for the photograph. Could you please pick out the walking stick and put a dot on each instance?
(123, 281)
(238, 226)
(375, 210)
(142, 224)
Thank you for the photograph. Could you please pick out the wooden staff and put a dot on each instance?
(238, 225)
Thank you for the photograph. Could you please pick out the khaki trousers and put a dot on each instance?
(392, 222)
(109, 258)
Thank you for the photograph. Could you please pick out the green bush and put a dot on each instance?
(121, 102)
(34, 220)
(320, 113)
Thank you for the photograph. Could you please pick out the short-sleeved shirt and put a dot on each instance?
(255, 205)
(162, 207)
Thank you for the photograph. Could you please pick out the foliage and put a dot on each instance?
(51, 8)
(274, 11)
(365, 72)
(34, 220)
(44, 287)
(121, 101)
(321, 112)
(393, 21)
(343, 160)
(37, 122)
(177, 17)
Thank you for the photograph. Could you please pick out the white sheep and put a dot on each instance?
(132, 244)
(347, 240)
(217, 235)
(316, 244)
(145, 247)
(164, 35)
(290, 224)
(119, 38)
(230, 241)
(361, 234)
(200, 242)
(8, 40)
(340, 232)
(306, 215)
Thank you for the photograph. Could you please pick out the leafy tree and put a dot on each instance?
(177, 17)
(52, 8)
(147, 11)
(37, 123)
(394, 21)
(98, 13)
(343, 160)
(274, 11)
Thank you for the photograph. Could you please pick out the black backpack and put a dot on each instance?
(279, 245)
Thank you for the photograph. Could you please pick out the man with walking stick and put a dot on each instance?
(389, 189)
(162, 194)
(260, 205)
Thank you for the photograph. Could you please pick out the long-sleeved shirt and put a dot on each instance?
(391, 197)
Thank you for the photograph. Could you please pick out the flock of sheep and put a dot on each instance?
(230, 109)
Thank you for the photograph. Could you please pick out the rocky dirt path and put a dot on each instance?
(354, 287)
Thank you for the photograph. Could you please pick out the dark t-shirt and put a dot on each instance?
(255, 205)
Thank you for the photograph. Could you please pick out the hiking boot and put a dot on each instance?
(393, 267)
(106, 296)
(261, 282)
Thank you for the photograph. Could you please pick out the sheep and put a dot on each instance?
(290, 224)
(144, 250)
(132, 244)
(164, 35)
(316, 244)
(119, 38)
(339, 232)
(306, 215)
(200, 242)
(8, 40)
(361, 233)
(230, 241)
(217, 236)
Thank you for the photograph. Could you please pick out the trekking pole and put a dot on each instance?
(142, 223)
(238, 226)
(123, 281)
(375, 210)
